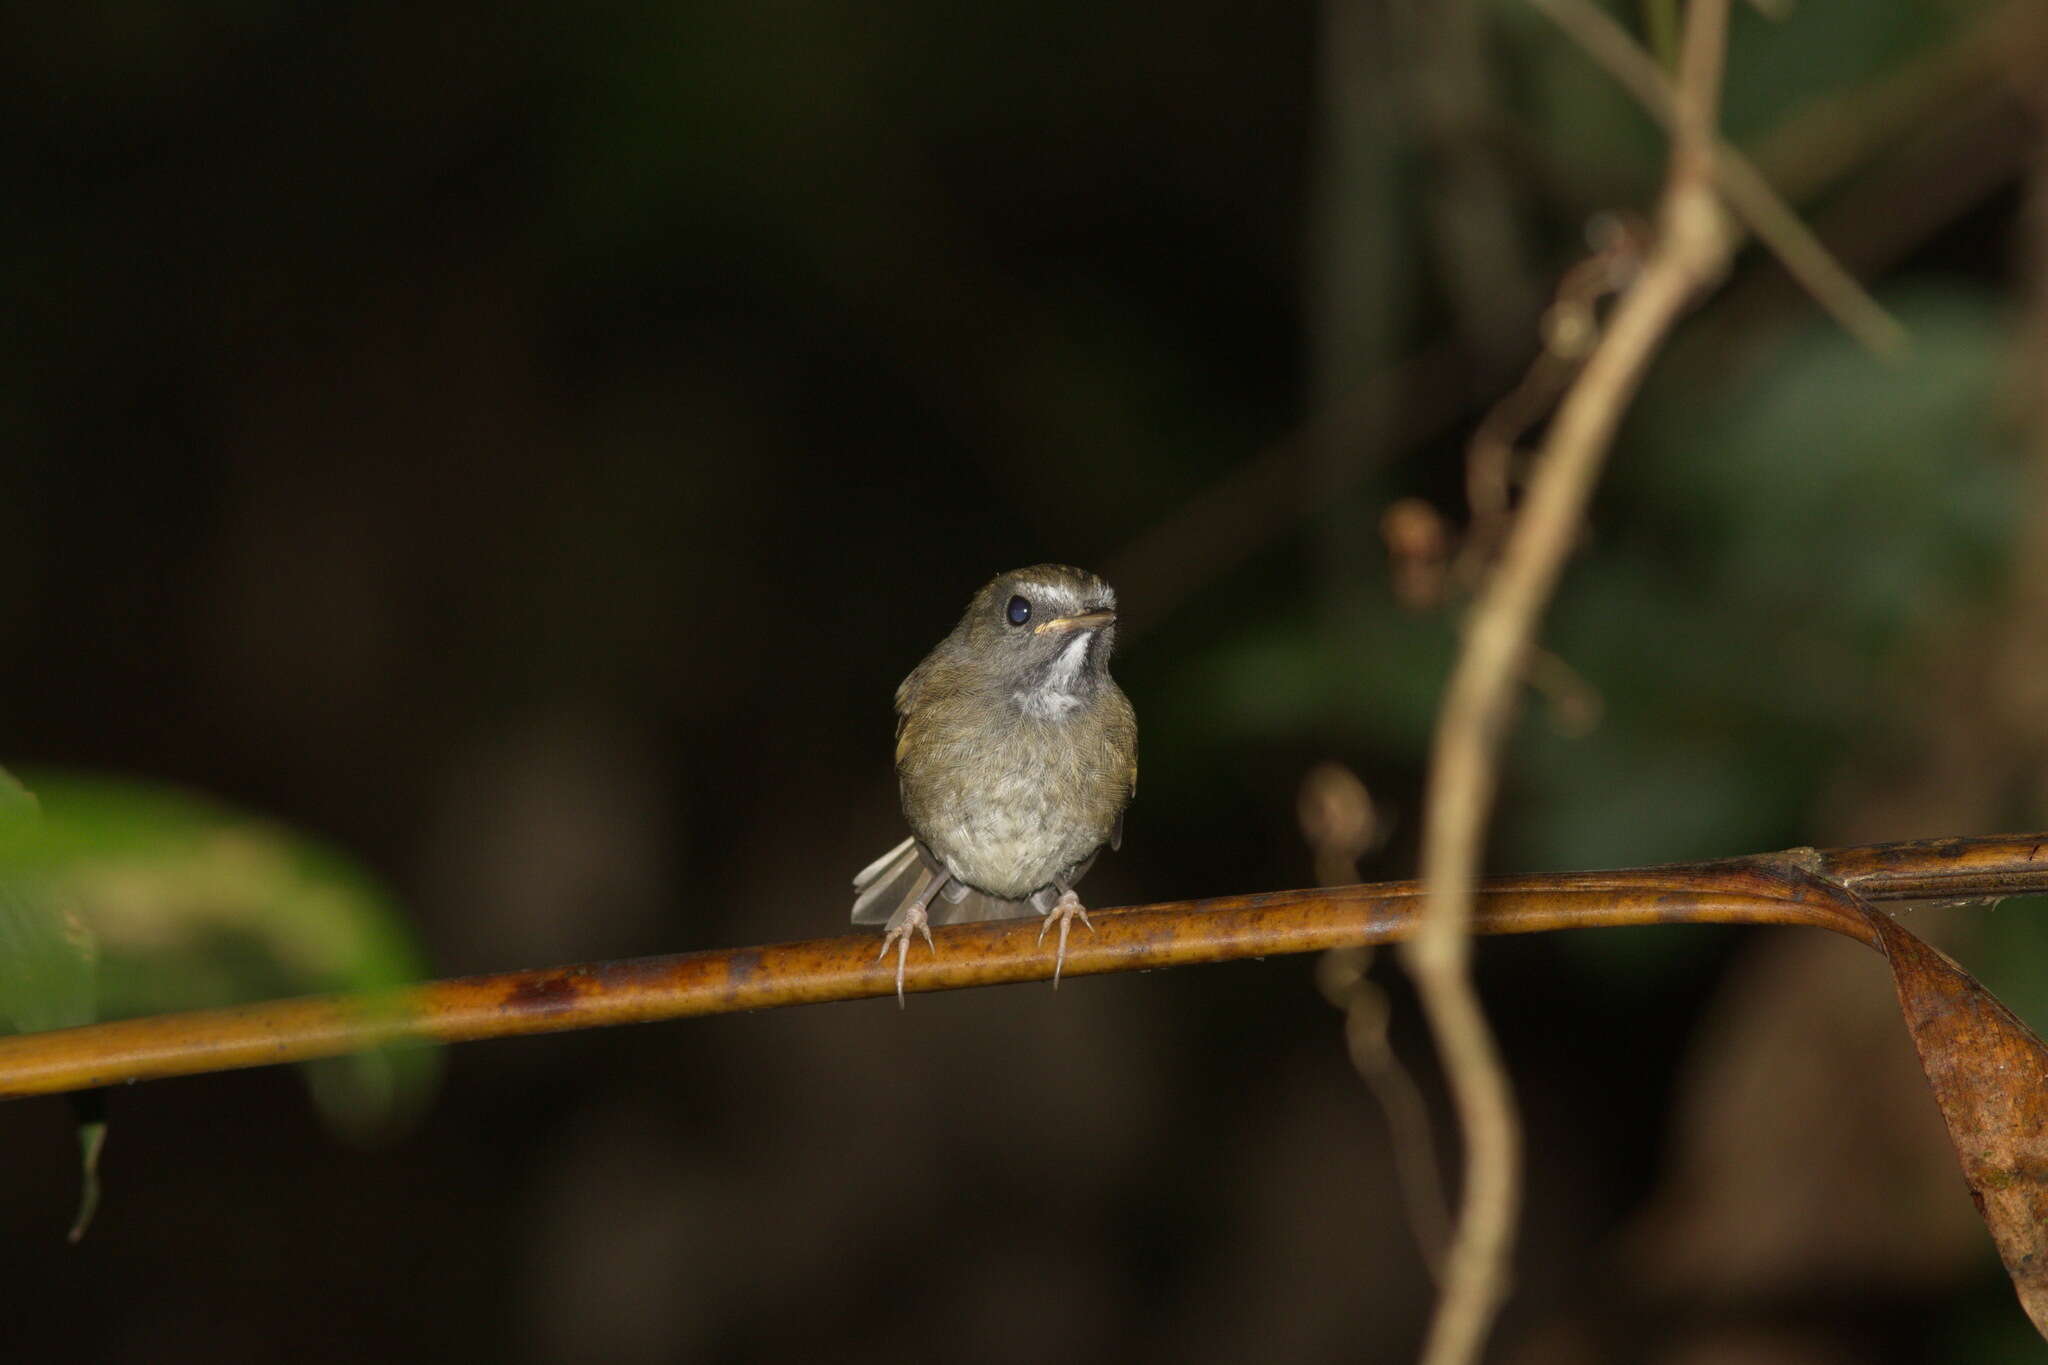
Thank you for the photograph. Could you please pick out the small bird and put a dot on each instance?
(1016, 754)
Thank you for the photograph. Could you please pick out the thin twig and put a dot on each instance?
(1836, 133)
(1749, 195)
(1343, 975)
(1777, 888)
(1691, 251)
(1339, 825)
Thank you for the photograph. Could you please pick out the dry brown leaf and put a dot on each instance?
(1989, 1073)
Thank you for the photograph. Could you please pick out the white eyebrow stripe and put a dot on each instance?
(1043, 593)
(1061, 593)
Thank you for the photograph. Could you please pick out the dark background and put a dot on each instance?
(524, 448)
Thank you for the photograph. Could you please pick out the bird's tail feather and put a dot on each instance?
(901, 867)
(887, 886)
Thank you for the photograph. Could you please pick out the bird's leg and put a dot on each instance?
(1064, 910)
(908, 920)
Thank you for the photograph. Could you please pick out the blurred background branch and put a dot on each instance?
(1687, 256)
(1748, 194)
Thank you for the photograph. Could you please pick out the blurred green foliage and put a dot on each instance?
(47, 955)
(181, 903)
(1781, 553)
(2008, 945)
(1763, 564)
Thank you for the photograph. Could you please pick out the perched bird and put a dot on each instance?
(1016, 755)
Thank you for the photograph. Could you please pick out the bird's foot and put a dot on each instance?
(914, 922)
(1063, 912)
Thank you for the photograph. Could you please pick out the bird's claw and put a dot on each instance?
(1064, 911)
(899, 936)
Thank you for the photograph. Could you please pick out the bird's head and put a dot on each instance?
(1044, 634)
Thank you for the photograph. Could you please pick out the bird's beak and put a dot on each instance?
(1087, 620)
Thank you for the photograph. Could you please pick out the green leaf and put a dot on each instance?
(194, 904)
(47, 954)
(47, 974)
(15, 799)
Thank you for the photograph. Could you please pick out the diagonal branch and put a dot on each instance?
(1691, 252)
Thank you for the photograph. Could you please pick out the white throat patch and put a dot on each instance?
(1059, 692)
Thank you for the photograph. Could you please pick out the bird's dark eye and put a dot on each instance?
(1019, 612)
